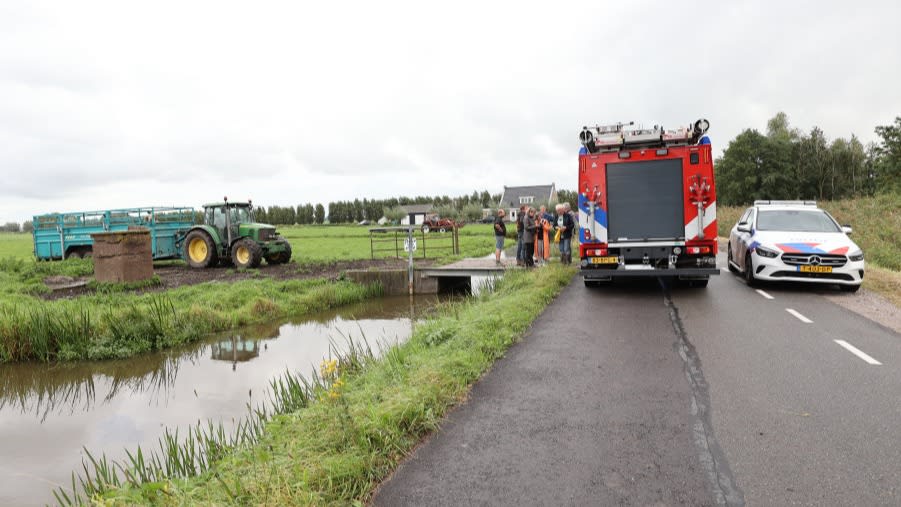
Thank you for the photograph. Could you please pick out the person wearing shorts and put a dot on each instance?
(500, 233)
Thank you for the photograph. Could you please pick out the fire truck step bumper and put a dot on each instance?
(607, 274)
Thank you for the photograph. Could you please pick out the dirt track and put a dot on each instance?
(177, 276)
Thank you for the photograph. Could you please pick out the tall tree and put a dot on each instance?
(738, 171)
(569, 196)
(319, 214)
(487, 201)
(888, 157)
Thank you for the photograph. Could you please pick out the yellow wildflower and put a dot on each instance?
(328, 368)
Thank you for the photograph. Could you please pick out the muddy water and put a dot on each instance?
(48, 413)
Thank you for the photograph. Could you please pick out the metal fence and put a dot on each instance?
(391, 241)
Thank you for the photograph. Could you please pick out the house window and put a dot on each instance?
(526, 199)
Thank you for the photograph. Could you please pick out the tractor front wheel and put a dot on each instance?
(246, 253)
(200, 250)
(280, 257)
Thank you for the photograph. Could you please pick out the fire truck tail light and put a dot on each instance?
(599, 252)
(587, 234)
(695, 250)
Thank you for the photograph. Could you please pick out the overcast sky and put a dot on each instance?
(116, 104)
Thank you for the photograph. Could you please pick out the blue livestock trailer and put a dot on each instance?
(64, 235)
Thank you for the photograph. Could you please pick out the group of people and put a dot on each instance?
(535, 231)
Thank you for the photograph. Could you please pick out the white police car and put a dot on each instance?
(794, 241)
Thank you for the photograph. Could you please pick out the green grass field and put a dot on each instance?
(18, 245)
(322, 243)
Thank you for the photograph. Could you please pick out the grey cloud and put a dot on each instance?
(311, 105)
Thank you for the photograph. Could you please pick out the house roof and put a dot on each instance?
(417, 208)
(541, 193)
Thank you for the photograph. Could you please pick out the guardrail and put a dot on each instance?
(394, 241)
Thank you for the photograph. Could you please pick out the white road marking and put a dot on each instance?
(799, 316)
(857, 352)
(764, 294)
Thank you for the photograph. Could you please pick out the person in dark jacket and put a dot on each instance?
(500, 233)
(529, 225)
(520, 258)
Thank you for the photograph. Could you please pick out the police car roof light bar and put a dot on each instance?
(773, 202)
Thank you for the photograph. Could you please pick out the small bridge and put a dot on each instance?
(460, 276)
(463, 275)
(484, 266)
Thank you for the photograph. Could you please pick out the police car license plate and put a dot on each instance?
(605, 260)
(815, 269)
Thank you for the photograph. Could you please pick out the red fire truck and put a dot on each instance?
(647, 203)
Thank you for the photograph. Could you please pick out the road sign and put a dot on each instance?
(407, 244)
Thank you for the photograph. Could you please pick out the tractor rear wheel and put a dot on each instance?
(280, 257)
(200, 250)
(246, 253)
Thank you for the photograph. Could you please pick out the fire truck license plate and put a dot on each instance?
(815, 269)
(604, 260)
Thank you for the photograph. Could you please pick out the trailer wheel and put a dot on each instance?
(200, 251)
(246, 253)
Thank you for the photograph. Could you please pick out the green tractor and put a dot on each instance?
(229, 234)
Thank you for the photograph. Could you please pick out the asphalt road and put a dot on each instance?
(640, 394)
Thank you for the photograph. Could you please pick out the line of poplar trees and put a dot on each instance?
(787, 163)
(358, 210)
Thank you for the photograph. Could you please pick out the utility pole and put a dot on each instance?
(410, 245)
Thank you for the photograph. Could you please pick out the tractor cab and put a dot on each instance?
(235, 218)
(229, 232)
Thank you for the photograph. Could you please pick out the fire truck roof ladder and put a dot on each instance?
(614, 137)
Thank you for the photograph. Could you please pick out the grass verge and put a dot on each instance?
(884, 281)
(336, 438)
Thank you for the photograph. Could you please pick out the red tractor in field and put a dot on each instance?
(436, 223)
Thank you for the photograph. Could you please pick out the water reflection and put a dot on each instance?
(235, 350)
(49, 412)
(62, 389)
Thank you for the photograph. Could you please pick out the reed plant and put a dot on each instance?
(117, 325)
(196, 452)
